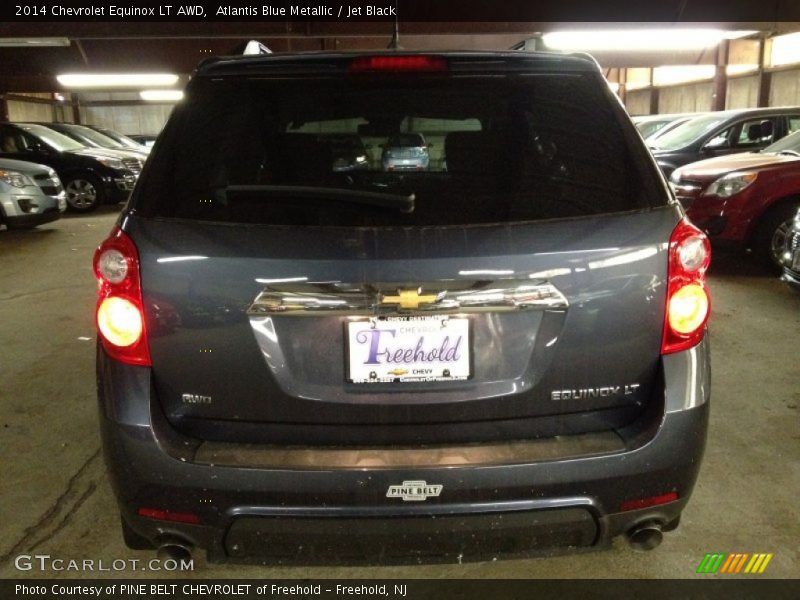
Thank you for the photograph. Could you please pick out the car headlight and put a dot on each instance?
(112, 163)
(14, 178)
(729, 185)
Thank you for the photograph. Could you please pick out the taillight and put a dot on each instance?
(120, 311)
(688, 302)
(649, 501)
(168, 515)
(398, 64)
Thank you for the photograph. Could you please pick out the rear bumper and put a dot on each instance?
(539, 502)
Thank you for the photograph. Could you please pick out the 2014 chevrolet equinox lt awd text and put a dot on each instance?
(301, 364)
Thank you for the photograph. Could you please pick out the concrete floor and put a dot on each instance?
(55, 499)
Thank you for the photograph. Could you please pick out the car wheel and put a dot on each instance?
(133, 540)
(84, 193)
(771, 241)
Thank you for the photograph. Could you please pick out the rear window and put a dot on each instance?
(496, 149)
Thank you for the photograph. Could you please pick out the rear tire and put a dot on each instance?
(771, 237)
(84, 193)
(133, 540)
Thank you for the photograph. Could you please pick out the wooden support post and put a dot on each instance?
(721, 76)
(764, 77)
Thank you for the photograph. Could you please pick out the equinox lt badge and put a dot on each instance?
(414, 491)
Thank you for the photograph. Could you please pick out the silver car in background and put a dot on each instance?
(406, 152)
(30, 194)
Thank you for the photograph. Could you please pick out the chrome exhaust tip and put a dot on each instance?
(174, 549)
(645, 536)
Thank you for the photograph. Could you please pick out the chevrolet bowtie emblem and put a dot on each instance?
(409, 298)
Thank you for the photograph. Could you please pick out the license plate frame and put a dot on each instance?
(462, 369)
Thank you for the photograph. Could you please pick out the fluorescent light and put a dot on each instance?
(675, 74)
(12, 42)
(161, 95)
(108, 80)
(634, 39)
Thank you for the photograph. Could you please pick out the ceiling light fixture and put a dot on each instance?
(641, 40)
(116, 80)
(161, 95)
(37, 42)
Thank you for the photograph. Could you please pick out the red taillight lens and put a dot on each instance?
(647, 502)
(120, 311)
(168, 515)
(688, 302)
(398, 64)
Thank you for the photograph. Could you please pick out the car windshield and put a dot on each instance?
(406, 140)
(122, 139)
(791, 143)
(55, 140)
(648, 128)
(690, 131)
(499, 149)
(95, 137)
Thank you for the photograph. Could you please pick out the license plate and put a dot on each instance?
(796, 260)
(408, 349)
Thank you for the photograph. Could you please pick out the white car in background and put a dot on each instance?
(30, 194)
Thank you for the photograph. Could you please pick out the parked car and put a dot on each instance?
(30, 194)
(649, 125)
(91, 176)
(94, 139)
(722, 133)
(405, 152)
(651, 139)
(745, 200)
(124, 140)
(510, 355)
(145, 139)
(791, 260)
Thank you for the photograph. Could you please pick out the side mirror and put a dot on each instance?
(714, 144)
(38, 147)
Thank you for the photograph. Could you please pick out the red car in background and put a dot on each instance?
(747, 200)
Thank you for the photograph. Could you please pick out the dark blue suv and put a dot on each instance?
(303, 363)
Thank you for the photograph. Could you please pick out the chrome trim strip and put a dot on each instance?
(408, 509)
(453, 296)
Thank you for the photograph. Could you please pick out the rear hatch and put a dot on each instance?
(515, 291)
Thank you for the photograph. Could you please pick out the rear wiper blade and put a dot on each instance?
(789, 152)
(403, 203)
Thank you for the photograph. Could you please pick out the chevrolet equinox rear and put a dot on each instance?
(502, 354)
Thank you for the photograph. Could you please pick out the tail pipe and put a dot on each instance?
(174, 548)
(645, 536)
